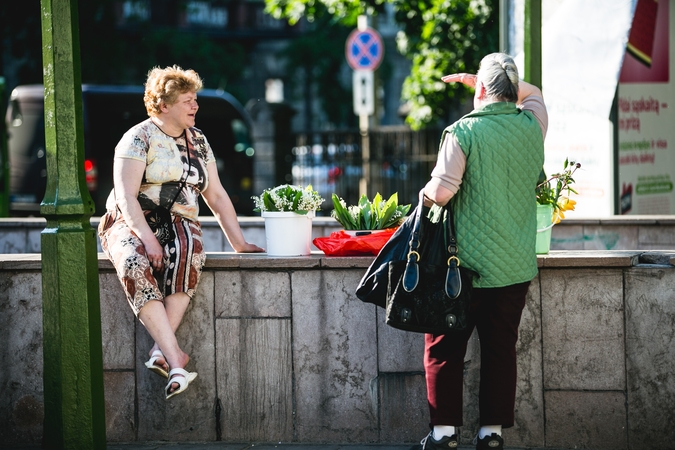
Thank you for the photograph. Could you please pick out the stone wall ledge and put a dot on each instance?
(639, 233)
(326, 220)
(318, 260)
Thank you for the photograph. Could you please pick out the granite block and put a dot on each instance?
(656, 247)
(214, 239)
(584, 258)
(348, 262)
(595, 420)
(120, 389)
(21, 359)
(597, 237)
(14, 241)
(255, 379)
(528, 429)
(281, 262)
(570, 237)
(583, 332)
(34, 243)
(334, 359)
(650, 353)
(117, 324)
(657, 236)
(253, 235)
(252, 294)
(402, 392)
(189, 416)
(398, 350)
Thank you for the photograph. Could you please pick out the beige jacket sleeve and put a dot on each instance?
(450, 164)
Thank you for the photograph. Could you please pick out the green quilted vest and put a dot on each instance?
(495, 207)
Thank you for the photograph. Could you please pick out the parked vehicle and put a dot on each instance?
(108, 112)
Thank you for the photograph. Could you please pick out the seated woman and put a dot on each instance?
(166, 162)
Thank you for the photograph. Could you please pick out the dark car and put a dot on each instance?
(108, 112)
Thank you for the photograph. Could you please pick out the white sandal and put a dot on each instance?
(159, 370)
(183, 379)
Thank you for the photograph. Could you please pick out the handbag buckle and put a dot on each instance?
(413, 253)
(406, 315)
(453, 258)
(451, 320)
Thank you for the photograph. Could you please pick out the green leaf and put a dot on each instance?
(387, 212)
(342, 214)
(267, 200)
(375, 215)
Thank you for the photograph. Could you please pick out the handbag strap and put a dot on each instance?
(183, 178)
(453, 280)
(411, 275)
(186, 173)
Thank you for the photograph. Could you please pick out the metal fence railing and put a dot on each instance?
(400, 161)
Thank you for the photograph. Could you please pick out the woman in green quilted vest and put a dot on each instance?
(488, 165)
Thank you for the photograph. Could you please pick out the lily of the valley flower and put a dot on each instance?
(288, 198)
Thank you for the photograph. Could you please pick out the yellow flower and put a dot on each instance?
(566, 204)
(558, 216)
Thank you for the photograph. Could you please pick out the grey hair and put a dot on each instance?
(499, 75)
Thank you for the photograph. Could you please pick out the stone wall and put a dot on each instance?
(613, 233)
(286, 353)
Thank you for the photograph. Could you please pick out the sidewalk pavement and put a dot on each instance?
(264, 446)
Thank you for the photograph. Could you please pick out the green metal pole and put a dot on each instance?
(73, 363)
(4, 157)
(532, 43)
(504, 44)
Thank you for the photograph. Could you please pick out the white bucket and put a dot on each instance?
(288, 233)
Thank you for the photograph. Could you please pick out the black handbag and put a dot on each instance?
(373, 285)
(160, 222)
(417, 276)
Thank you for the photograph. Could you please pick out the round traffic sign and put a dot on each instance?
(364, 49)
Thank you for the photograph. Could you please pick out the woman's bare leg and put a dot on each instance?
(175, 306)
(161, 322)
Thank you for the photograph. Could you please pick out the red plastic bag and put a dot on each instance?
(340, 243)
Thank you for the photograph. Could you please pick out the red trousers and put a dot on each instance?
(495, 313)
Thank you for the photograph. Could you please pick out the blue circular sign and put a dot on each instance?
(364, 49)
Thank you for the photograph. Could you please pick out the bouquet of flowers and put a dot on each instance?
(288, 198)
(550, 190)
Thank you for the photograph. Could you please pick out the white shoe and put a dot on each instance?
(159, 370)
(182, 377)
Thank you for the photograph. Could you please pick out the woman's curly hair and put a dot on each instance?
(165, 85)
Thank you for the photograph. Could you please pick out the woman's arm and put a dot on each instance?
(127, 176)
(468, 79)
(434, 192)
(219, 202)
(526, 89)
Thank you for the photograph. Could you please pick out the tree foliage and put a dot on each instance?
(316, 58)
(438, 36)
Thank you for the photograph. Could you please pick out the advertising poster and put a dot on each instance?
(581, 61)
(646, 119)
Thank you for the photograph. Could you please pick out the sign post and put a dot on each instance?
(364, 51)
